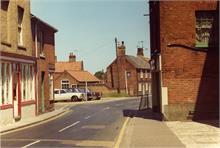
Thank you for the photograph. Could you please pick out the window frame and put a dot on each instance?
(20, 11)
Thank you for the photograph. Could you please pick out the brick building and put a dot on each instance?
(129, 74)
(71, 74)
(185, 58)
(17, 63)
(43, 36)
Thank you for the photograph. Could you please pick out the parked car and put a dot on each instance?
(90, 95)
(62, 94)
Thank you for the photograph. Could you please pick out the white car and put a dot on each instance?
(62, 95)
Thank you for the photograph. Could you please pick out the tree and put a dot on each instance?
(100, 75)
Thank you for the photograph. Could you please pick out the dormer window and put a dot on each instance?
(20, 25)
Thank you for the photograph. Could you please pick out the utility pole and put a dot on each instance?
(116, 48)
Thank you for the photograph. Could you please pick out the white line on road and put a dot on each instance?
(87, 117)
(30, 144)
(106, 108)
(69, 126)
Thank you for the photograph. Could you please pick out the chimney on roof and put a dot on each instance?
(72, 57)
(121, 49)
(140, 52)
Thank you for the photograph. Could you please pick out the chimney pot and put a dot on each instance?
(72, 57)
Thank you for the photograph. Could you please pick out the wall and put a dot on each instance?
(189, 74)
(9, 29)
(63, 76)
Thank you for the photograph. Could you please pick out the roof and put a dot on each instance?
(83, 76)
(138, 62)
(61, 66)
(37, 18)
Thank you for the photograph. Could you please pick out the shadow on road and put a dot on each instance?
(146, 114)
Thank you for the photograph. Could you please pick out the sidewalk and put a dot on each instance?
(196, 135)
(145, 130)
(31, 121)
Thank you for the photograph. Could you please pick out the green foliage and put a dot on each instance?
(100, 75)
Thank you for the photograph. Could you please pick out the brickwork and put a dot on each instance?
(45, 62)
(9, 17)
(190, 75)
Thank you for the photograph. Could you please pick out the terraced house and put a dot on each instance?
(17, 63)
(129, 74)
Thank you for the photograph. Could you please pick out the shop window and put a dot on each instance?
(204, 26)
(139, 87)
(6, 83)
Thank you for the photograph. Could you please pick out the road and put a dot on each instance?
(85, 125)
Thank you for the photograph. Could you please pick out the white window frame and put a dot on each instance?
(1, 84)
(139, 87)
(64, 83)
(141, 74)
(20, 25)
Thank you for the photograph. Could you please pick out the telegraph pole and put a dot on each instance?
(116, 48)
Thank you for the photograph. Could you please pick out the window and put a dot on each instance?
(56, 92)
(62, 92)
(41, 42)
(27, 82)
(6, 83)
(204, 25)
(20, 25)
(141, 74)
(139, 87)
(65, 84)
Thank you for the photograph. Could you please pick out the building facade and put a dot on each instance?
(129, 74)
(43, 36)
(71, 74)
(17, 63)
(185, 59)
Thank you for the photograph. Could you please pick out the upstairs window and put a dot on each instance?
(20, 25)
(141, 74)
(204, 28)
(41, 42)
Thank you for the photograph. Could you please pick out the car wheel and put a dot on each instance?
(74, 98)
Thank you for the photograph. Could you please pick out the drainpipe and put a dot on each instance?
(36, 66)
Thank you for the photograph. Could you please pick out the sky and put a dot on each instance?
(88, 28)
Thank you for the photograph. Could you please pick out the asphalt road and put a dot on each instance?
(85, 125)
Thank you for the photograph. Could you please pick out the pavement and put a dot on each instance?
(144, 129)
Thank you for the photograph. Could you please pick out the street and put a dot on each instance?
(85, 125)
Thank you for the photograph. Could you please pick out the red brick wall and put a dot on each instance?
(191, 76)
(58, 77)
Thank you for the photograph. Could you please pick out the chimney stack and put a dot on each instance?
(72, 57)
(121, 49)
(140, 52)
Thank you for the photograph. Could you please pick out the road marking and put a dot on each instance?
(106, 108)
(118, 142)
(31, 144)
(69, 126)
(87, 117)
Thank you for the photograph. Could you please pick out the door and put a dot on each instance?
(42, 92)
(16, 96)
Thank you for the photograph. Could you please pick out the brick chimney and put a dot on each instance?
(121, 49)
(72, 57)
(140, 52)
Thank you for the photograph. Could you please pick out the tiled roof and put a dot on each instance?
(139, 61)
(83, 76)
(61, 66)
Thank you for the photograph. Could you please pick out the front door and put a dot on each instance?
(16, 96)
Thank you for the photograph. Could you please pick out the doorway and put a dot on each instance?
(16, 96)
(42, 92)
